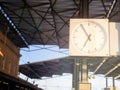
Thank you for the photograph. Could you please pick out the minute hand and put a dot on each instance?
(85, 32)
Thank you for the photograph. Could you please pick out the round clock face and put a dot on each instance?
(88, 37)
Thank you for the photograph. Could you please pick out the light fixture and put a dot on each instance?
(1, 53)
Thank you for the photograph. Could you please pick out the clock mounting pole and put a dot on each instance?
(83, 13)
(84, 64)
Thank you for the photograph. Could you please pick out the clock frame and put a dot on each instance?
(89, 37)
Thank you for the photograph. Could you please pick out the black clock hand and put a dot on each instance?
(87, 40)
(85, 32)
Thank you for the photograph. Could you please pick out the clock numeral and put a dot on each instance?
(74, 37)
(76, 44)
(89, 24)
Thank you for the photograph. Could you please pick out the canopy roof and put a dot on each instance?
(110, 67)
(46, 22)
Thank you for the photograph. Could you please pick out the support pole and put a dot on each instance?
(77, 73)
(76, 70)
(83, 12)
(84, 71)
(114, 84)
(84, 85)
(74, 76)
(85, 8)
(106, 82)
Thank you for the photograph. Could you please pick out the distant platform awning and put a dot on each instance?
(106, 66)
(46, 68)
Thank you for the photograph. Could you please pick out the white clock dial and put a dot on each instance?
(88, 37)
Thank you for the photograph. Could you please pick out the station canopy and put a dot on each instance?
(46, 22)
(109, 67)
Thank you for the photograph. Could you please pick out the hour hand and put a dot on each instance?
(87, 40)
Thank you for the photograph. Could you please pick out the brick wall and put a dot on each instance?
(9, 64)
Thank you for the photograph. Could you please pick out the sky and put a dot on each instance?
(40, 53)
(57, 82)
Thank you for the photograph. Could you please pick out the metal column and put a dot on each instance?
(106, 82)
(84, 65)
(85, 8)
(114, 88)
(76, 74)
(84, 71)
(83, 13)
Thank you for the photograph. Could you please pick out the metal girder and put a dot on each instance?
(111, 8)
(99, 66)
(111, 70)
(51, 13)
